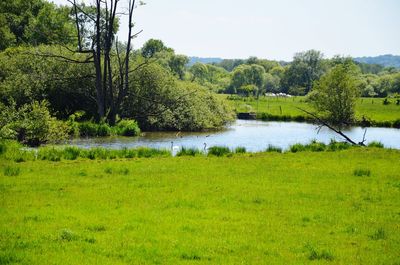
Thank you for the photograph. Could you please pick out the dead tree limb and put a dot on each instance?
(324, 123)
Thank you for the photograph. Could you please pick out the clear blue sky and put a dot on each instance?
(270, 28)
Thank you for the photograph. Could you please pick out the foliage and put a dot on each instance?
(29, 74)
(336, 93)
(127, 128)
(31, 124)
(33, 22)
(245, 75)
(157, 101)
(306, 68)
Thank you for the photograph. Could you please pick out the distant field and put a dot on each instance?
(247, 209)
(371, 108)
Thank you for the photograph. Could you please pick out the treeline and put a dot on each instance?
(45, 82)
(256, 76)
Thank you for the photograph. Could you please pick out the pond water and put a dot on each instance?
(254, 135)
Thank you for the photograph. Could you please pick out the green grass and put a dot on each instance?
(287, 109)
(266, 208)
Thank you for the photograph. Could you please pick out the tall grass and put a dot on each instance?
(219, 151)
(189, 152)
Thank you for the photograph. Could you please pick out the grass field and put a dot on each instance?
(338, 207)
(371, 108)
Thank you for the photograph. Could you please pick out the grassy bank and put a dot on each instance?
(286, 109)
(262, 208)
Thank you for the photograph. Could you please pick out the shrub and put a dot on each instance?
(103, 129)
(219, 151)
(31, 124)
(127, 128)
(88, 129)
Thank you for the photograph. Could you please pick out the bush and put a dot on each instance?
(103, 129)
(219, 151)
(31, 124)
(127, 128)
(88, 129)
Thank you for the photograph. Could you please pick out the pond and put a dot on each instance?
(254, 135)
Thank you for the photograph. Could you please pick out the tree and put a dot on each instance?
(245, 75)
(334, 97)
(306, 68)
(34, 22)
(177, 65)
(152, 47)
(199, 72)
(96, 38)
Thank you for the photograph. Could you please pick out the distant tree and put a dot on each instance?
(199, 72)
(306, 68)
(152, 47)
(245, 75)
(177, 65)
(272, 83)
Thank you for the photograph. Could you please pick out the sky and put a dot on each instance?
(271, 29)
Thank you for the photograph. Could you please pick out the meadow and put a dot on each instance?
(372, 109)
(340, 207)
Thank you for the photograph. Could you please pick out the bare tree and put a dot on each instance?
(95, 28)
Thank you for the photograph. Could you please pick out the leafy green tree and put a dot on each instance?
(306, 68)
(152, 47)
(244, 75)
(158, 101)
(272, 83)
(199, 72)
(27, 77)
(177, 65)
(34, 22)
(335, 95)
(31, 124)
